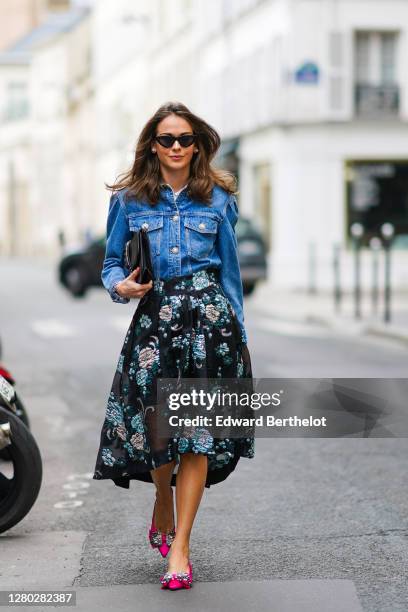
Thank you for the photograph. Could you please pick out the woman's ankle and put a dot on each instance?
(164, 493)
(181, 546)
(179, 555)
(164, 511)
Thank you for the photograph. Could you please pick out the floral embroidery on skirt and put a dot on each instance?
(183, 327)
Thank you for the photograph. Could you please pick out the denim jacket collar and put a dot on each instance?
(170, 193)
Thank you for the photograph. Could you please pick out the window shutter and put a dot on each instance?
(339, 86)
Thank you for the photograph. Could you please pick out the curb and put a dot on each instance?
(347, 326)
(391, 333)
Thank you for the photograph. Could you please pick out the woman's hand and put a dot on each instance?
(129, 288)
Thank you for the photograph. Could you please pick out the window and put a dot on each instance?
(17, 101)
(376, 80)
(388, 55)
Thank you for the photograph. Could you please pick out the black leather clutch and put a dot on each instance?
(137, 253)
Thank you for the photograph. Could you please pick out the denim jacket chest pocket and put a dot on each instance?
(200, 232)
(154, 226)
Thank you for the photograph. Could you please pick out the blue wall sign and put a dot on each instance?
(307, 73)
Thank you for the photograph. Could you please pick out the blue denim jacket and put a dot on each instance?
(185, 236)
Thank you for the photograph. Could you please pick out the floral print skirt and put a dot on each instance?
(183, 327)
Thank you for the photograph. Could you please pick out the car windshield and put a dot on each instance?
(245, 227)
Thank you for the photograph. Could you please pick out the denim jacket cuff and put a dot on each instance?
(115, 295)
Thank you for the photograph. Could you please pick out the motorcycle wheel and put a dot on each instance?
(19, 492)
(22, 414)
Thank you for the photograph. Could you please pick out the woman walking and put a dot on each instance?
(189, 322)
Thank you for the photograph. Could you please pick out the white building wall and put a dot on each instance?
(49, 85)
(121, 33)
(14, 166)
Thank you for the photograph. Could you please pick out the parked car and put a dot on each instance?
(80, 268)
(251, 253)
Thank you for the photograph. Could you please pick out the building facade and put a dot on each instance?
(310, 98)
(315, 92)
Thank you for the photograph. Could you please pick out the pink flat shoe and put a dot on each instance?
(178, 580)
(160, 540)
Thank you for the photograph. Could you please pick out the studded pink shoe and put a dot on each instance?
(178, 580)
(160, 540)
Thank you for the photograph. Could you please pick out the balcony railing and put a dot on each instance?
(376, 100)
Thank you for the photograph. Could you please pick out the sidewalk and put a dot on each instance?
(318, 309)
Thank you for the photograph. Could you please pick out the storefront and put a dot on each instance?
(377, 193)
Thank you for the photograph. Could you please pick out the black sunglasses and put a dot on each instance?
(167, 140)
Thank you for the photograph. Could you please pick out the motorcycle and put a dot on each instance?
(20, 459)
(17, 406)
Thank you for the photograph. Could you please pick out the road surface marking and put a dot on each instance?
(289, 328)
(52, 328)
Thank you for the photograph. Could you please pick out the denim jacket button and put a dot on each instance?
(145, 225)
(174, 250)
(201, 225)
(175, 217)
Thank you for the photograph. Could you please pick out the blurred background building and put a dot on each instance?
(310, 98)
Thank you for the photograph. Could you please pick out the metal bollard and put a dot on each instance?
(375, 246)
(357, 231)
(337, 294)
(387, 231)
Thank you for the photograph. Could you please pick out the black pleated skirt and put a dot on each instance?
(183, 327)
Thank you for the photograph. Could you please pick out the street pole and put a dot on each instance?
(375, 246)
(312, 268)
(387, 285)
(387, 231)
(337, 281)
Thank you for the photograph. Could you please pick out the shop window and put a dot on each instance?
(377, 192)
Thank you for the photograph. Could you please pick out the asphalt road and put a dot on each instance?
(308, 524)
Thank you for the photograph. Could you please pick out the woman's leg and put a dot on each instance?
(164, 514)
(190, 483)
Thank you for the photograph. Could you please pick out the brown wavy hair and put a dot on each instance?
(144, 177)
